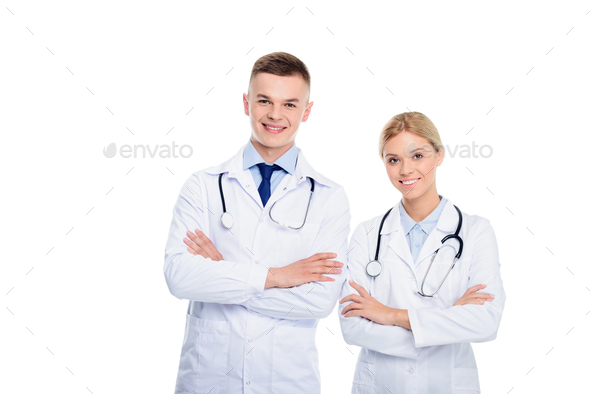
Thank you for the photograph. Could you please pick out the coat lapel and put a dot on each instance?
(447, 223)
(234, 169)
(287, 183)
(397, 240)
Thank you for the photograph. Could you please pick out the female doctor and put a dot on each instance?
(413, 318)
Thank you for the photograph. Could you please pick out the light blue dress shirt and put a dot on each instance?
(416, 233)
(287, 161)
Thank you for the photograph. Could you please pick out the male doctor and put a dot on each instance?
(258, 282)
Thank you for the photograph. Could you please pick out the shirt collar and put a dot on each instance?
(287, 161)
(428, 224)
(302, 169)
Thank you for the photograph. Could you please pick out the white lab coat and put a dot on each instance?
(240, 337)
(436, 355)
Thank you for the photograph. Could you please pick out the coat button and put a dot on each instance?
(410, 371)
(248, 382)
(250, 340)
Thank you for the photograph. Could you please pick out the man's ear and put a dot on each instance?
(246, 105)
(307, 111)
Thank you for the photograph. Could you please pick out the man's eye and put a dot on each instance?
(293, 106)
(263, 101)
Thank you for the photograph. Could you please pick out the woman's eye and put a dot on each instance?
(418, 156)
(393, 160)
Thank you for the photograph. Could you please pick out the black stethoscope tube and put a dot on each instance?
(227, 219)
(379, 236)
(374, 267)
(456, 235)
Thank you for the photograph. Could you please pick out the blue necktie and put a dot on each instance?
(264, 188)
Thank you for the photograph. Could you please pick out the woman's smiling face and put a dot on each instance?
(410, 162)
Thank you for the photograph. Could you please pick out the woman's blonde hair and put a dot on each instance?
(413, 122)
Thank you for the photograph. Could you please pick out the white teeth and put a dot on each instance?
(410, 182)
(275, 128)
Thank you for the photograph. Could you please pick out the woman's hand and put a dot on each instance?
(366, 306)
(472, 297)
(201, 245)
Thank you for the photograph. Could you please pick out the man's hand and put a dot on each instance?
(471, 297)
(311, 269)
(368, 307)
(201, 245)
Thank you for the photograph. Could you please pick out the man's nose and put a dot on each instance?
(275, 112)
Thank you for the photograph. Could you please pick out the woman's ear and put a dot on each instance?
(440, 156)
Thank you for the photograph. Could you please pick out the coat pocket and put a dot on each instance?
(364, 373)
(465, 380)
(295, 366)
(204, 356)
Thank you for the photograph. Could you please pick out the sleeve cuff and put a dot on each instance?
(416, 328)
(256, 281)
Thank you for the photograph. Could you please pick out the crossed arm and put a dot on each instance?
(311, 269)
(474, 317)
(368, 307)
(200, 273)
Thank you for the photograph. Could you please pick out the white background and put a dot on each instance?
(87, 309)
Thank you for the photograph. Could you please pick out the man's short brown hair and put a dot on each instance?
(282, 64)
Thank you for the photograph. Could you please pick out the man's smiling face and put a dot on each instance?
(276, 106)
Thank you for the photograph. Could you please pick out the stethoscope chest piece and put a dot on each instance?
(373, 268)
(227, 220)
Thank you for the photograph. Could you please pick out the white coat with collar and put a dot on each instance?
(436, 355)
(240, 337)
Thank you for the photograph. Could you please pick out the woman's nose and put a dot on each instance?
(406, 168)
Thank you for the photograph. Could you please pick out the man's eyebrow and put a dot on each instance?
(293, 100)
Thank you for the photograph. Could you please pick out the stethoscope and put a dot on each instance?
(374, 267)
(228, 221)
